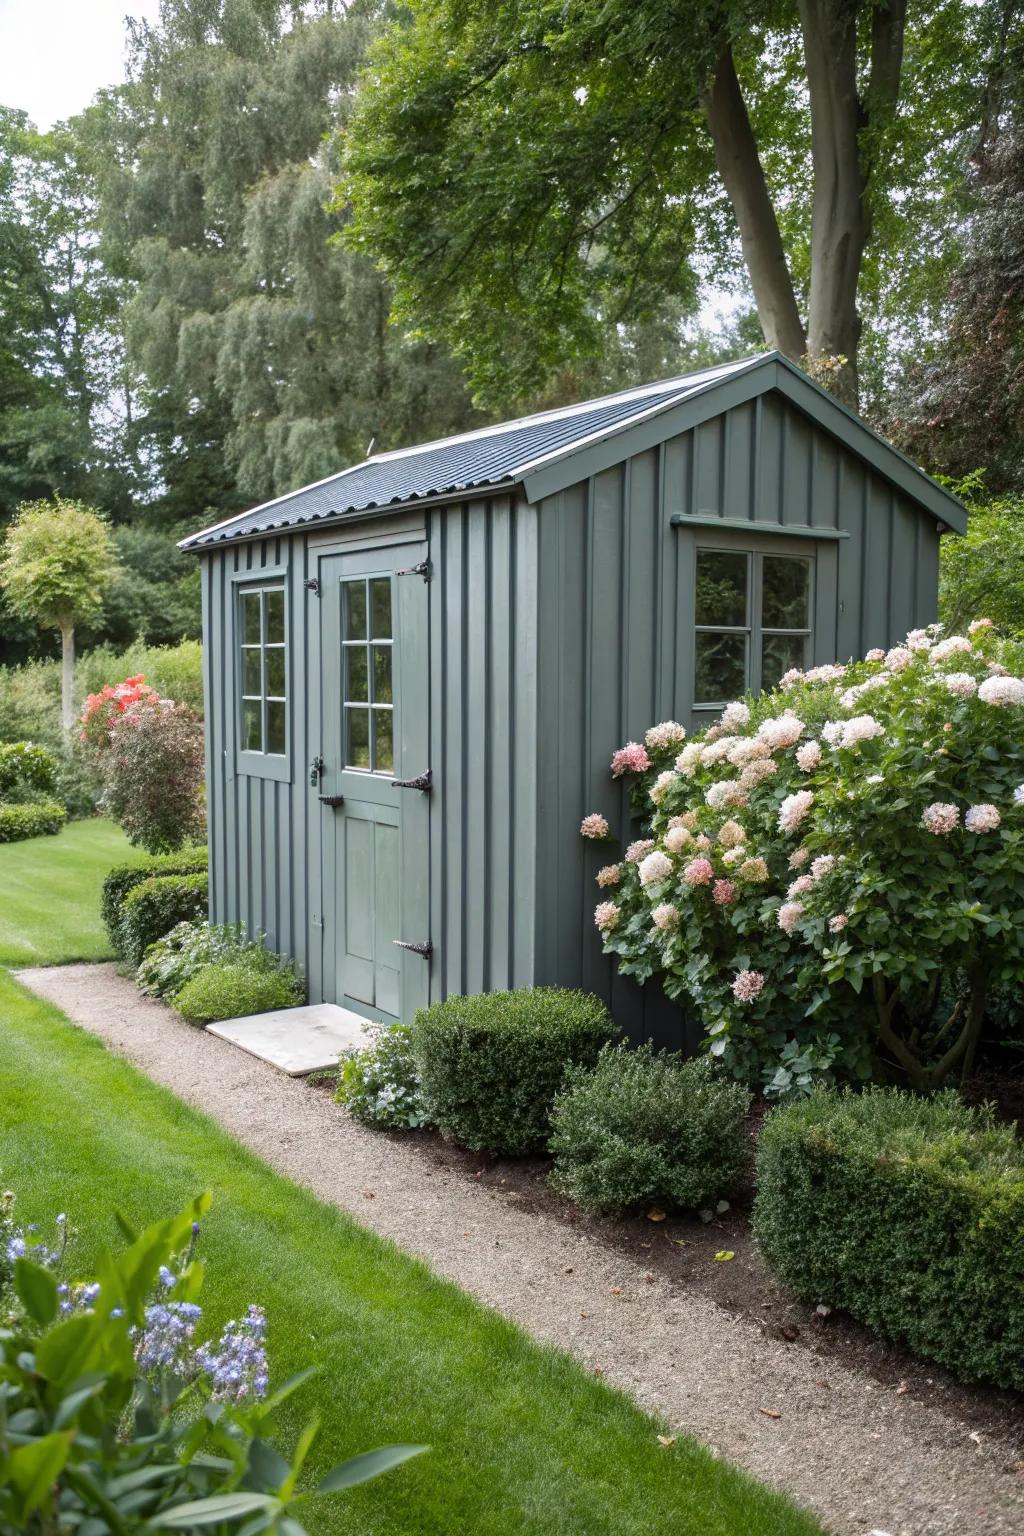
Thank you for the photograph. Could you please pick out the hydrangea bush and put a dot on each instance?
(833, 873)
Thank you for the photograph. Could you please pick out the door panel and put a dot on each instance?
(374, 682)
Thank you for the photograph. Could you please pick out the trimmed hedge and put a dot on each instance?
(906, 1212)
(647, 1127)
(490, 1066)
(23, 765)
(231, 991)
(152, 908)
(40, 820)
(124, 877)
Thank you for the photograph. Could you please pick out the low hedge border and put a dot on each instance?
(125, 877)
(231, 991)
(906, 1212)
(26, 766)
(41, 819)
(155, 906)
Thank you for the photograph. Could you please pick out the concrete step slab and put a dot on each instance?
(296, 1040)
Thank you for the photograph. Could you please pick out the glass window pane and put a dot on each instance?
(778, 654)
(275, 616)
(358, 752)
(252, 727)
(384, 749)
(786, 585)
(275, 672)
(721, 668)
(382, 674)
(380, 597)
(721, 587)
(251, 679)
(251, 618)
(355, 679)
(355, 610)
(276, 726)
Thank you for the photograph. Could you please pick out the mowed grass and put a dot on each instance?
(50, 894)
(522, 1439)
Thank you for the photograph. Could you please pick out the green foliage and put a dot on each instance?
(123, 878)
(230, 990)
(490, 1066)
(58, 562)
(906, 1212)
(152, 772)
(173, 960)
(92, 1437)
(24, 766)
(379, 1083)
(643, 1128)
(30, 820)
(830, 862)
(982, 570)
(77, 785)
(153, 906)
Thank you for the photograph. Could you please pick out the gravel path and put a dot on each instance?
(866, 1459)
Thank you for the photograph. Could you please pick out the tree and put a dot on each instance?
(57, 565)
(531, 173)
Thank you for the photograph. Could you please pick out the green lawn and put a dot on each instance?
(50, 894)
(523, 1440)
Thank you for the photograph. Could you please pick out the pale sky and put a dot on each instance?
(56, 54)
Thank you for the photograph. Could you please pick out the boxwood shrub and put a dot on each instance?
(26, 767)
(908, 1213)
(646, 1127)
(490, 1066)
(231, 991)
(37, 820)
(155, 906)
(124, 877)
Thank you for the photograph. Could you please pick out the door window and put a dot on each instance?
(368, 711)
(752, 615)
(264, 670)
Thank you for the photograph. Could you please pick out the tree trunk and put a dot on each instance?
(743, 177)
(67, 680)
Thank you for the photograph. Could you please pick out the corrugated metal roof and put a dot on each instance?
(488, 456)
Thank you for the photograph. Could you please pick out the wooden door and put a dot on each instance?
(374, 709)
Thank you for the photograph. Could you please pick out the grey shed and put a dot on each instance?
(416, 670)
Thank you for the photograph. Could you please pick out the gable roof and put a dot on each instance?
(553, 449)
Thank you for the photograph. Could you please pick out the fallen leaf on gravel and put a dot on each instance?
(655, 1213)
(770, 1413)
(724, 1255)
(598, 1370)
(368, 1194)
(568, 1269)
(1015, 1466)
(678, 1242)
(649, 1278)
(616, 1290)
(904, 1386)
(975, 1436)
(584, 1314)
(822, 1310)
(666, 1439)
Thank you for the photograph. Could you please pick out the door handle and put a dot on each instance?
(332, 800)
(426, 949)
(423, 781)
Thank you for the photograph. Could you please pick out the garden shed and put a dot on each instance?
(417, 669)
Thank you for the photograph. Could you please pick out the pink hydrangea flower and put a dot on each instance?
(703, 842)
(723, 893)
(753, 871)
(609, 874)
(730, 834)
(676, 839)
(727, 792)
(782, 732)
(736, 713)
(828, 672)
(714, 751)
(698, 872)
(606, 916)
(798, 858)
(800, 886)
(982, 818)
(977, 625)
(832, 732)
(838, 923)
(757, 772)
(747, 749)
(665, 916)
(876, 653)
(632, 758)
(919, 640)
(1003, 692)
(747, 986)
(735, 855)
(940, 818)
(961, 684)
(899, 658)
(794, 810)
(789, 915)
(822, 865)
(794, 675)
(808, 756)
(664, 735)
(595, 826)
(860, 728)
(636, 851)
(655, 868)
(661, 786)
(689, 758)
(953, 645)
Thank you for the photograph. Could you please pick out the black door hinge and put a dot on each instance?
(424, 569)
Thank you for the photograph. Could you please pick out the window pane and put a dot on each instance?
(778, 654)
(380, 596)
(276, 726)
(721, 668)
(382, 674)
(252, 731)
(355, 682)
(275, 616)
(786, 587)
(251, 618)
(721, 587)
(251, 682)
(275, 672)
(355, 610)
(384, 750)
(358, 755)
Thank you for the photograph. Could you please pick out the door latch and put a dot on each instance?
(316, 769)
(424, 569)
(423, 781)
(332, 800)
(426, 949)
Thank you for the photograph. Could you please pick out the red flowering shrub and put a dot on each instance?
(153, 773)
(103, 710)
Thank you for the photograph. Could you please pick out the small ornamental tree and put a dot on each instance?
(153, 774)
(102, 710)
(833, 874)
(57, 565)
